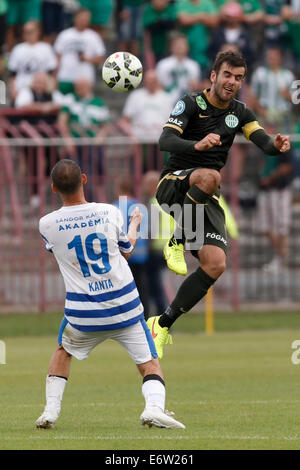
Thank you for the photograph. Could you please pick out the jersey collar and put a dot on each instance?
(212, 103)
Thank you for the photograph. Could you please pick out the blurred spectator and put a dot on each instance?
(147, 109)
(129, 15)
(253, 18)
(196, 17)
(79, 50)
(177, 73)
(70, 7)
(100, 13)
(271, 89)
(3, 12)
(275, 205)
(20, 12)
(40, 96)
(160, 229)
(275, 28)
(159, 19)
(139, 259)
(85, 116)
(53, 19)
(291, 14)
(233, 32)
(28, 58)
(253, 11)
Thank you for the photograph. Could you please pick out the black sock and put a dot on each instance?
(189, 293)
(153, 377)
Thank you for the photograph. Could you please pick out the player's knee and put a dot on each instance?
(61, 350)
(217, 268)
(207, 180)
(214, 267)
(151, 368)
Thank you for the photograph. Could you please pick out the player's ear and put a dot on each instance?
(213, 76)
(54, 188)
(83, 178)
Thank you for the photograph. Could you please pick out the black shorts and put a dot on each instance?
(172, 189)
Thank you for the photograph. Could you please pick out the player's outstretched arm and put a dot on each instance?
(280, 144)
(170, 141)
(132, 235)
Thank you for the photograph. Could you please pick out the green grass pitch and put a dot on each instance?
(232, 390)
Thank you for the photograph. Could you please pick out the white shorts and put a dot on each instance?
(274, 211)
(136, 339)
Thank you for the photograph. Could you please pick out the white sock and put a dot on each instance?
(55, 387)
(154, 393)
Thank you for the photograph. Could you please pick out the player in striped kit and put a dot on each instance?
(101, 297)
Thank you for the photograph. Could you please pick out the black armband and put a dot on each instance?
(264, 142)
(171, 141)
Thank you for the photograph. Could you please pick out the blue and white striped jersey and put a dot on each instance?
(86, 241)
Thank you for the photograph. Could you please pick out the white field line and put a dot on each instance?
(203, 403)
(137, 438)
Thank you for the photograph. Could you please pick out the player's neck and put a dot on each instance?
(214, 100)
(73, 200)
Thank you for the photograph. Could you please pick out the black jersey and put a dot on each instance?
(194, 117)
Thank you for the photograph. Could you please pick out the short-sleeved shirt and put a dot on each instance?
(194, 117)
(70, 44)
(87, 113)
(86, 241)
(27, 59)
(198, 34)
(147, 112)
(176, 76)
(266, 85)
(3, 7)
(100, 10)
(165, 18)
(271, 163)
(21, 11)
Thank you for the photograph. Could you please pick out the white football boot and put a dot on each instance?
(48, 418)
(156, 417)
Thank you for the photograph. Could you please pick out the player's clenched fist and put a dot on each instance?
(211, 140)
(282, 143)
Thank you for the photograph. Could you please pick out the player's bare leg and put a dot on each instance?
(153, 390)
(58, 374)
(204, 183)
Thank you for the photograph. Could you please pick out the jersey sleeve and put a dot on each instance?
(47, 243)
(52, 60)
(182, 112)
(249, 123)
(13, 60)
(123, 242)
(60, 43)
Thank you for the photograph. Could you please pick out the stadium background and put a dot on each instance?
(249, 296)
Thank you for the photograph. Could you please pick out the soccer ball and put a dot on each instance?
(122, 71)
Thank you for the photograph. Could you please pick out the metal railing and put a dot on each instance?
(29, 276)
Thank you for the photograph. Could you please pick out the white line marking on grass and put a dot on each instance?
(137, 438)
(204, 403)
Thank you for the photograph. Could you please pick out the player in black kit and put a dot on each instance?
(199, 134)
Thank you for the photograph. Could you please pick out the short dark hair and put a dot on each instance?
(66, 176)
(234, 59)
